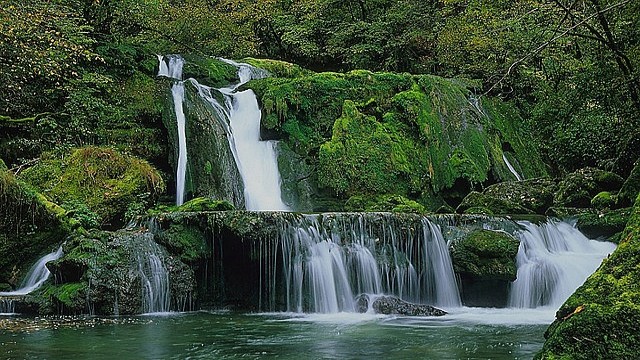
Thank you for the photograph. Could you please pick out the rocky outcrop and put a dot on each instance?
(391, 305)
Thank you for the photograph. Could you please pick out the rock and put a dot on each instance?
(534, 194)
(605, 223)
(631, 187)
(391, 305)
(578, 188)
(100, 179)
(388, 203)
(604, 200)
(206, 204)
(476, 200)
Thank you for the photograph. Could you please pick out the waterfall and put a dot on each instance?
(36, 276)
(257, 160)
(553, 260)
(154, 276)
(511, 168)
(173, 70)
(7, 306)
(327, 260)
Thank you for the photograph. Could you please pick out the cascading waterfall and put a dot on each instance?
(553, 260)
(511, 168)
(36, 276)
(257, 160)
(154, 276)
(326, 264)
(173, 70)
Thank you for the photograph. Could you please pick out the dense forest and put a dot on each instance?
(405, 106)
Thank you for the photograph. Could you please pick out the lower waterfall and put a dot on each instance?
(154, 277)
(554, 259)
(328, 260)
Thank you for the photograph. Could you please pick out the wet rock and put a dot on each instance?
(490, 204)
(391, 305)
(535, 194)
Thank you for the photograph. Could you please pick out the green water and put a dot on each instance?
(205, 335)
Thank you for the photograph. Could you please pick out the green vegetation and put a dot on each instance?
(96, 180)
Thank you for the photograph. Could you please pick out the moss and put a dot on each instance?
(106, 181)
(631, 187)
(601, 319)
(495, 205)
(535, 194)
(486, 255)
(478, 210)
(383, 203)
(30, 226)
(278, 68)
(604, 200)
(603, 223)
(413, 136)
(578, 188)
(206, 204)
(185, 241)
(209, 71)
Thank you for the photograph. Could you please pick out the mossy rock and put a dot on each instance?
(486, 255)
(601, 319)
(383, 203)
(103, 179)
(578, 188)
(604, 200)
(494, 205)
(478, 210)
(3, 167)
(209, 71)
(186, 241)
(30, 226)
(604, 223)
(631, 187)
(535, 194)
(206, 204)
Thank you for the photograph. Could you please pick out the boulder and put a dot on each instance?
(631, 187)
(580, 187)
(490, 205)
(534, 194)
(391, 305)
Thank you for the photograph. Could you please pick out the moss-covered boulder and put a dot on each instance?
(601, 319)
(30, 226)
(534, 194)
(206, 204)
(383, 203)
(109, 273)
(486, 254)
(631, 187)
(485, 261)
(476, 201)
(580, 187)
(606, 223)
(209, 71)
(278, 68)
(421, 137)
(107, 182)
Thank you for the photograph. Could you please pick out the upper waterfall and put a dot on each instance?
(257, 160)
(37, 275)
(511, 168)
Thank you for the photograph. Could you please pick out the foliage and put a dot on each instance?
(101, 179)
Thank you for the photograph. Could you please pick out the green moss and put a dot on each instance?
(104, 180)
(631, 187)
(206, 204)
(209, 71)
(535, 194)
(486, 255)
(495, 205)
(30, 226)
(185, 241)
(415, 136)
(383, 203)
(601, 319)
(604, 200)
(578, 188)
(603, 223)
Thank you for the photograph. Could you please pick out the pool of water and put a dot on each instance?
(464, 334)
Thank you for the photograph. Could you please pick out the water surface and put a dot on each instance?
(464, 334)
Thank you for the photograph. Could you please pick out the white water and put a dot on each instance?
(257, 160)
(511, 168)
(36, 276)
(325, 268)
(553, 260)
(173, 69)
(154, 277)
